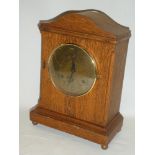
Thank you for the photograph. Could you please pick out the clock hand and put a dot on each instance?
(73, 70)
(70, 77)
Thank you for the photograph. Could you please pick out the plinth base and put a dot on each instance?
(89, 131)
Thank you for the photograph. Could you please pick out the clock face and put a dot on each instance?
(72, 70)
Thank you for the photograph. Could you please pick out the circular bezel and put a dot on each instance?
(51, 76)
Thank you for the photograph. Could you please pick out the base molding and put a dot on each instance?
(89, 131)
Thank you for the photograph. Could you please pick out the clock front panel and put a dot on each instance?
(75, 76)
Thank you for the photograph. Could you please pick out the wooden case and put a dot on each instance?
(94, 116)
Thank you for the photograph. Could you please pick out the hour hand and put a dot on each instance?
(73, 69)
(70, 77)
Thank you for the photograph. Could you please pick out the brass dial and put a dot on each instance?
(72, 70)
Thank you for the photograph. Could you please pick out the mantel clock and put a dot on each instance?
(82, 67)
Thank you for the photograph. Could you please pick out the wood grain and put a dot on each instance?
(95, 115)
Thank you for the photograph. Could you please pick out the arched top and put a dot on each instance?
(90, 23)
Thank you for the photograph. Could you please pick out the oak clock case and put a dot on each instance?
(82, 69)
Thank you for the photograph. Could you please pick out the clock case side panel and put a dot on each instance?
(118, 70)
(42, 68)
